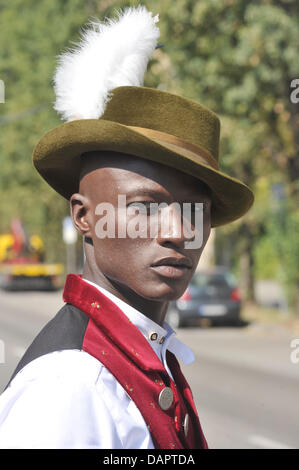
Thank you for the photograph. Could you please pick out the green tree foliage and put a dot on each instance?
(282, 230)
(31, 38)
(237, 57)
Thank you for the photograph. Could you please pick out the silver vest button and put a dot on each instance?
(153, 336)
(165, 398)
(186, 424)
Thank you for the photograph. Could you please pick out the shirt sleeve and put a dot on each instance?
(56, 407)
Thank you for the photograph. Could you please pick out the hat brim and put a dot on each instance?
(57, 158)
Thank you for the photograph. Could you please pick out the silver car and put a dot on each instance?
(212, 295)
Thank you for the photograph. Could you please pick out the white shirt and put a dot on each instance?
(68, 399)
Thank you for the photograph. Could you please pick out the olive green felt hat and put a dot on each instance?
(151, 124)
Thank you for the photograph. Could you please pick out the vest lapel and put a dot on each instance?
(196, 438)
(123, 350)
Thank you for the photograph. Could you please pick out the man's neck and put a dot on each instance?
(156, 311)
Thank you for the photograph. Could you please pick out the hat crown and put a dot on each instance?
(165, 112)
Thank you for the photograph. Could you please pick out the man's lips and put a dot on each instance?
(173, 267)
(177, 261)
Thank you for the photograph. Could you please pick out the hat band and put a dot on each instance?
(179, 145)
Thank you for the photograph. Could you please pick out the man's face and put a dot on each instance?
(157, 265)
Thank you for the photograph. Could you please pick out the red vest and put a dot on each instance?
(115, 341)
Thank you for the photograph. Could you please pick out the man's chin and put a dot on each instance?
(166, 291)
(154, 290)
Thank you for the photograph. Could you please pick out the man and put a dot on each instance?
(103, 373)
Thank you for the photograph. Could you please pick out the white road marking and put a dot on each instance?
(267, 443)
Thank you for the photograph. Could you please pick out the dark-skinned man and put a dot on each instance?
(104, 373)
(128, 272)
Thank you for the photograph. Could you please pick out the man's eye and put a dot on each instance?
(139, 208)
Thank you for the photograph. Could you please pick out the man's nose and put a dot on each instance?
(173, 227)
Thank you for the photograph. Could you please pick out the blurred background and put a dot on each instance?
(240, 59)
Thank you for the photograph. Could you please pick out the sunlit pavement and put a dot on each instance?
(243, 381)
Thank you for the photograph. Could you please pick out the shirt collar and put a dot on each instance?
(160, 338)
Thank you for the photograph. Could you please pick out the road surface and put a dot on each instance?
(245, 386)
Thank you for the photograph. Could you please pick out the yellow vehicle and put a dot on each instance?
(22, 264)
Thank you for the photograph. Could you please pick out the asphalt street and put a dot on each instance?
(245, 386)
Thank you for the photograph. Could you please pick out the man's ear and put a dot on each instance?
(81, 215)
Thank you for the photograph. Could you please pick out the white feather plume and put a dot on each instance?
(111, 53)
